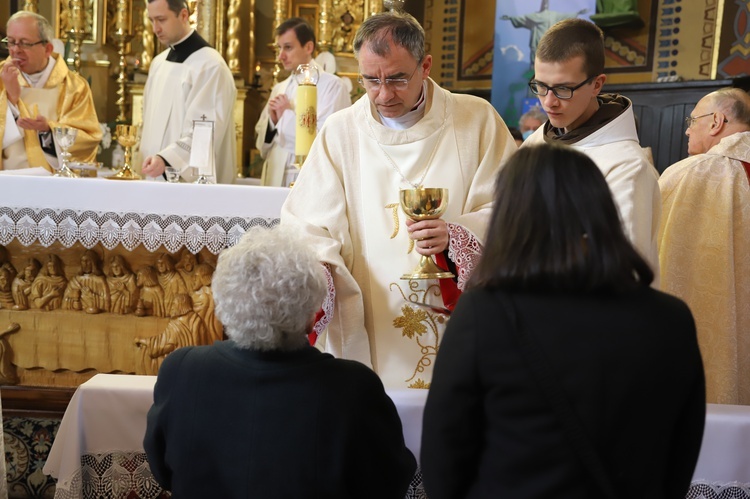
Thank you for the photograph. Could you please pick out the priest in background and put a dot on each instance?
(188, 82)
(39, 93)
(276, 128)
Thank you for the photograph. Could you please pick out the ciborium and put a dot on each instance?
(65, 137)
(127, 137)
(425, 203)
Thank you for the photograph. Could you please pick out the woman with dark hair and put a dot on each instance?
(562, 373)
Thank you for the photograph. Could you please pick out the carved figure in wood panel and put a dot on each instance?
(49, 286)
(169, 279)
(8, 375)
(6, 281)
(186, 328)
(186, 267)
(21, 288)
(151, 297)
(122, 286)
(203, 301)
(88, 290)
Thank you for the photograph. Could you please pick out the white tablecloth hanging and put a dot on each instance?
(98, 451)
(91, 211)
(723, 469)
(101, 438)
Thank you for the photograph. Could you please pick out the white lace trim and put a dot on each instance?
(323, 322)
(111, 475)
(47, 226)
(701, 489)
(464, 250)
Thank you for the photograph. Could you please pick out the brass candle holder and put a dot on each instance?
(425, 204)
(127, 137)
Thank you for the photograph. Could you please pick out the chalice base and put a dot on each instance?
(427, 269)
(64, 171)
(125, 173)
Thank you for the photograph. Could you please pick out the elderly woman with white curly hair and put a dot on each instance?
(264, 414)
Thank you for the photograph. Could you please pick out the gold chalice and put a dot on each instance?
(127, 137)
(425, 204)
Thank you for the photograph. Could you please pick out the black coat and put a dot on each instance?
(629, 365)
(234, 423)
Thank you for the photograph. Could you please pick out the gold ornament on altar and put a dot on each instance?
(425, 203)
(127, 137)
(306, 109)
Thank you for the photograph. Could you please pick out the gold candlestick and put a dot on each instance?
(122, 41)
(77, 32)
(31, 6)
(127, 137)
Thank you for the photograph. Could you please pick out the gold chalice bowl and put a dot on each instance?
(424, 203)
(127, 137)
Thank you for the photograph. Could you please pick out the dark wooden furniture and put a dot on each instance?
(661, 108)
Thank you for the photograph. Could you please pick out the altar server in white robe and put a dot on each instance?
(406, 132)
(276, 128)
(187, 83)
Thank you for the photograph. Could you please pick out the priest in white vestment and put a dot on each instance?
(276, 128)
(406, 132)
(704, 239)
(189, 82)
(39, 93)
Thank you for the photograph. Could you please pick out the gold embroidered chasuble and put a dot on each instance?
(346, 201)
(704, 254)
(65, 100)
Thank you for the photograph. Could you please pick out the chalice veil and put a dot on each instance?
(405, 337)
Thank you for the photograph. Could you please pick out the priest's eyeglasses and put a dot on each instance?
(690, 121)
(21, 45)
(560, 91)
(394, 83)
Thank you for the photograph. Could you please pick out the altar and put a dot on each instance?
(98, 451)
(90, 267)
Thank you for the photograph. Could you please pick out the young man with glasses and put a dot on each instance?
(704, 238)
(276, 128)
(406, 132)
(39, 93)
(569, 76)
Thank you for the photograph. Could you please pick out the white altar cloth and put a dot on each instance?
(107, 414)
(47, 210)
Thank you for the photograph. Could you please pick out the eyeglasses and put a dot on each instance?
(21, 45)
(394, 83)
(560, 91)
(690, 121)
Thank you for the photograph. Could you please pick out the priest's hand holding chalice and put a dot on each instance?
(424, 203)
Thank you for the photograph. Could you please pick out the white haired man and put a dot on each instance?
(704, 238)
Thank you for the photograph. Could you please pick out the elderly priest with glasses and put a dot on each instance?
(39, 93)
(405, 133)
(569, 76)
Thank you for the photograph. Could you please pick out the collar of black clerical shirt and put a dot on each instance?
(180, 52)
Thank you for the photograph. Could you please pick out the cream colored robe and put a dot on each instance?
(65, 100)
(279, 153)
(631, 177)
(346, 201)
(176, 94)
(704, 252)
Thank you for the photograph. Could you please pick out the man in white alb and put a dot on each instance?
(406, 132)
(187, 83)
(275, 129)
(39, 93)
